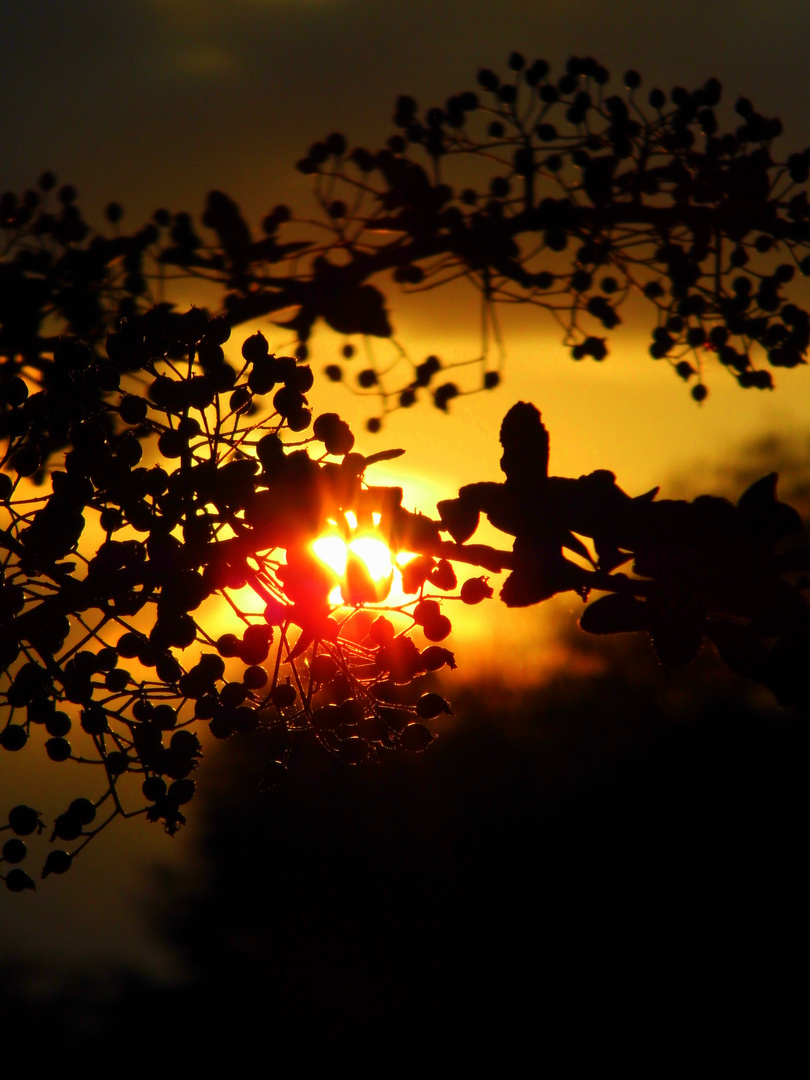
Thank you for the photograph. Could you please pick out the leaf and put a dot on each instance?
(383, 455)
(677, 641)
(788, 672)
(762, 511)
(615, 614)
(525, 444)
(459, 518)
(740, 648)
(539, 574)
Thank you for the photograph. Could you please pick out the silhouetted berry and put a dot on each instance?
(435, 657)
(165, 717)
(255, 348)
(14, 850)
(255, 677)
(67, 827)
(24, 820)
(83, 809)
(154, 788)
(474, 590)
(283, 696)
(17, 881)
(57, 862)
(353, 750)
(181, 792)
(57, 749)
(13, 737)
(415, 738)
(228, 645)
(437, 628)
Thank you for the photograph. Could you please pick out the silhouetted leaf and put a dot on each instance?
(615, 614)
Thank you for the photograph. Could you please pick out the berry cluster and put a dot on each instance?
(591, 196)
(143, 605)
(535, 188)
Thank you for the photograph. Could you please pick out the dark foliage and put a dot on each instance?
(114, 574)
(612, 872)
(536, 190)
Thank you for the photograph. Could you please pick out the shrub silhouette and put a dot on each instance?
(112, 570)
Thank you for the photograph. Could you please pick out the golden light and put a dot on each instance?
(363, 564)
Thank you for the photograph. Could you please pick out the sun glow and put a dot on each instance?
(364, 566)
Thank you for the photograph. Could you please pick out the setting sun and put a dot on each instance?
(363, 564)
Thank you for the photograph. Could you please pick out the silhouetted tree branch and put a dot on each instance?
(113, 576)
(541, 191)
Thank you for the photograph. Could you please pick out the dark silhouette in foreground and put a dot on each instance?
(109, 636)
(533, 189)
(611, 871)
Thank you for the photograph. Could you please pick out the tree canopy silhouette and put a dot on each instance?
(553, 192)
(114, 574)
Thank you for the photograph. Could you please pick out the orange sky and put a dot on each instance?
(154, 102)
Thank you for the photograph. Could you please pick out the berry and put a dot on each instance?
(18, 881)
(283, 695)
(67, 827)
(255, 677)
(58, 862)
(13, 737)
(14, 850)
(255, 348)
(24, 820)
(153, 788)
(415, 738)
(435, 657)
(83, 809)
(57, 749)
(353, 750)
(432, 705)
(181, 791)
(381, 631)
(437, 629)
(474, 590)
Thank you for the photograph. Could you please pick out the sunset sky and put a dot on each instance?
(157, 101)
(154, 102)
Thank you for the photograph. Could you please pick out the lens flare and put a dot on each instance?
(364, 567)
